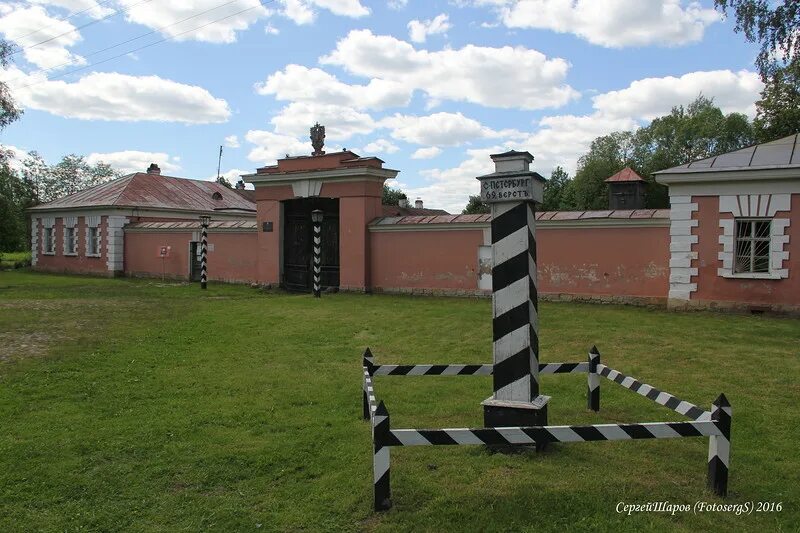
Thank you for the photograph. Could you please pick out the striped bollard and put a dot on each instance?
(380, 459)
(512, 191)
(316, 218)
(593, 392)
(368, 361)
(719, 447)
(204, 250)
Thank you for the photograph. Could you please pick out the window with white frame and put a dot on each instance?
(70, 243)
(93, 241)
(48, 241)
(752, 245)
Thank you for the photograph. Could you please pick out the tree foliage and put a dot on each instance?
(68, 176)
(392, 196)
(558, 193)
(778, 110)
(773, 24)
(9, 112)
(475, 206)
(696, 131)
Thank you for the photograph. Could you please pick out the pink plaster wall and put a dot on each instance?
(80, 264)
(233, 259)
(425, 259)
(777, 293)
(582, 261)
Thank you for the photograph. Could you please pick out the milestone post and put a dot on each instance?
(513, 191)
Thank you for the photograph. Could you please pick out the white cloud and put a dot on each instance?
(17, 156)
(129, 161)
(426, 153)
(612, 23)
(269, 146)
(397, 5)
(229, 18)
(232, 141)
(341, 122)
(449, 188)
(233, 175)
(497, 77)
(89, 7)
(440, 129)
(302, 84)
(269, 29)
(20, 26)
(302, 11)
(652, 97)
(418, 30)
(380, 146)
(114, 96)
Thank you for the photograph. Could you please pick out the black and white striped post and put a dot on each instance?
(380, 459)
(512, 191)
(593, 391)
(204, 220)
(316, 218)
(719, 447)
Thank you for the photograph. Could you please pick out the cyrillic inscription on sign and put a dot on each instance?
(506, 189)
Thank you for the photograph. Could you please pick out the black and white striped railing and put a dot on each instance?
(714, 424)
(548, 434)
(317, 274)
(648, 391)
(467, 370)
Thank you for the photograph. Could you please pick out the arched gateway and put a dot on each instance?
(347, 188)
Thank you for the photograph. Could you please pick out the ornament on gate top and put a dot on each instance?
(317, 139)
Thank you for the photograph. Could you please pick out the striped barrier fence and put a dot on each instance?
(714, 424)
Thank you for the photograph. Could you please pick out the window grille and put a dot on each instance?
(69, 240)
(752, 246)
(48, 240)
(93, 242)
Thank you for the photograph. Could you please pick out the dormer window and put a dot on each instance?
(216, 196)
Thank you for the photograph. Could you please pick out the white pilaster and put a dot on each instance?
(115, 251)
(681, 253)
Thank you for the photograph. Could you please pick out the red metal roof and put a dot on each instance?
(543, 216)
(626, 174)
(154, 191)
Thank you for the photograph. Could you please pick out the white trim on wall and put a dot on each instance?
(115, 243)
(34, 240)
(755, 205)
(681, 241)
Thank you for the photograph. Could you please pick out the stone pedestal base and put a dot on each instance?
(506, 413)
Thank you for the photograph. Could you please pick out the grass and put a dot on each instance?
(14, 259)
(141, 406)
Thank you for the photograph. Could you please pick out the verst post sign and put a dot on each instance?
(507, 189)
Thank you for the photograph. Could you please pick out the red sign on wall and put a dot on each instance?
(163, 251)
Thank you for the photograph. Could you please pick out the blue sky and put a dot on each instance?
(430, 87)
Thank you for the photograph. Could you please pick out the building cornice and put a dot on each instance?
(544, 224)
(337, 175)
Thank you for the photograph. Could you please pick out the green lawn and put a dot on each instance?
(135, 405)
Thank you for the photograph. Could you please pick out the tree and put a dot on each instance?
(392, 196)
(774, 25)
(687, 133)
(778, 110)
(222, 180)
(15, 197)
(475, 206)
(607, 155)
(557, 191)
(9, 112)
(68, 176)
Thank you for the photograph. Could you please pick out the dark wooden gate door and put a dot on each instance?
(298, 243)
(194, 261)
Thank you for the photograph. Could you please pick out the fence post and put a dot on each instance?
(367, 363)
(719, 447)
(380, 459)
(593, 392)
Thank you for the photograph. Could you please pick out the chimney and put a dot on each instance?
(153, 169)
(403, 202)
(418, 203)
